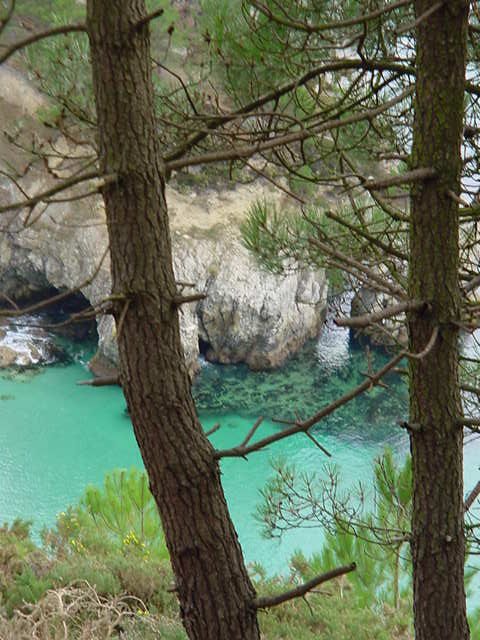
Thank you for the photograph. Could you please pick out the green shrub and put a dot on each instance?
(119, 516)
(26, 588)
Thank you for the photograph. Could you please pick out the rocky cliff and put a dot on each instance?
(248, 315)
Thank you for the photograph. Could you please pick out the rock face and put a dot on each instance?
(27, 346)
(249, 315)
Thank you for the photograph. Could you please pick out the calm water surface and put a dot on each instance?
(56, 436)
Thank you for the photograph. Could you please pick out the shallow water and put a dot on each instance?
(56, 436)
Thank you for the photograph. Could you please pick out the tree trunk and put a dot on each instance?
(214, 590)
(438, 544)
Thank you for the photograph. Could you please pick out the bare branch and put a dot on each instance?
(104, 381)
(304, 426)
(368, 318)
(194, 297)
(148, 18)
(472, 88)
(328, 26)
(357, 268)
(318, 445)
(8, 16)
(282, 140)
(368, 236)
(65, 184)
(182, 84)
(429, 346)
(472, 496)
(36, 37)
(214, 429)
(11, 302)
(272, 601)
(121, 320)
(470, 389)
(472, 284)
(252, 431)
(424, 16)
(271, 96)
(416, 175)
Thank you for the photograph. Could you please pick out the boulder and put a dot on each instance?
(28, 346)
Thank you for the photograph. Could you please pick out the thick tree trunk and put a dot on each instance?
(214, 589)
(438, 545)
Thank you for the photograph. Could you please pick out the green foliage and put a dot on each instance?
(276, 237)
(314, 236)
(45, 10)
(26, 587)
(334, 611)
(61, 65)
(244, 65)
(22, 567)
(112, 539)
(113, 569)
(120, 516)
(373, 532)
(303, 182)
(61, 68)
(250, 51)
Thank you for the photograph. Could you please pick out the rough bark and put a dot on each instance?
(215, 593)
(438, 544)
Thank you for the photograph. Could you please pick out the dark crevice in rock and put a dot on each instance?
(204, 348)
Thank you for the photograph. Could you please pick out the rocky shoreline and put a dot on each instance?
(248, 314)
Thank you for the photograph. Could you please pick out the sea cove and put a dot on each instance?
(57, 437)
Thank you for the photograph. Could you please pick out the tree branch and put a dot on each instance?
(276, 94)
(297, 136)
(57, 298)
(429, 346)
(470, 389)
(416, 175)
(103, 381)
(8, 16)
(36, 37)
(65, 184)
(194, 297)
(472, 284)
(368, 236)
(357, 267)
(368, 318)
(328, 26)
(424, 16)
(303, 426)
(472, 496)
(469, 423)
(267, 602)
(148, 18)
(213, 430)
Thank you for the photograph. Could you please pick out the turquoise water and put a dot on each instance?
(56, 436)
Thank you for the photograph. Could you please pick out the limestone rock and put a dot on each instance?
(249, 315)
(28, 346)
(7, 357)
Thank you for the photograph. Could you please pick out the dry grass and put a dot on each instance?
(76, 612)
